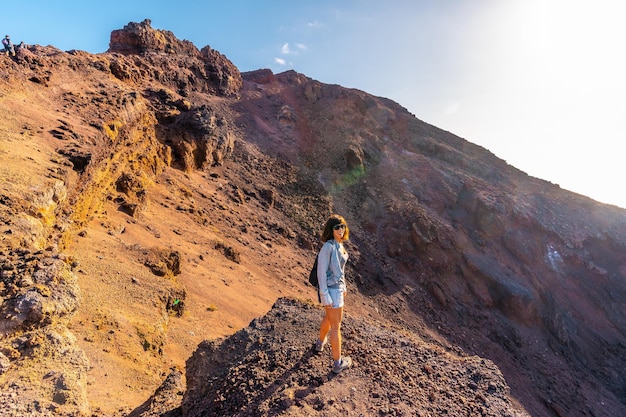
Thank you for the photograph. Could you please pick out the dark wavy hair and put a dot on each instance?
(332, 221)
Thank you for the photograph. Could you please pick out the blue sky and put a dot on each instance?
(540, 83)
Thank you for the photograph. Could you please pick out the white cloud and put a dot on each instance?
(280, 61)
(287, 50)
(315, 25)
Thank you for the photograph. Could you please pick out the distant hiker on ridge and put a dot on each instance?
(8, 45)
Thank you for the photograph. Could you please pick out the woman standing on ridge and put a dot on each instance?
(331, 262)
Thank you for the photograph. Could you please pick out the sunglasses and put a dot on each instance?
(339, 226)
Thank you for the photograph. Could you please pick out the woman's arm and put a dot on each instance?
(323, 262)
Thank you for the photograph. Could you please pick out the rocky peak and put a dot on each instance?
(140, 38)
(174, 62)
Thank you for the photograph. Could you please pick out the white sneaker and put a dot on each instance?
(344, 363)
(319, 345)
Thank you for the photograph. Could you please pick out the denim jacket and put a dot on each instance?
(331, 262)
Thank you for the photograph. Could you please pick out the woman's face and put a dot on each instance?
(338, 231)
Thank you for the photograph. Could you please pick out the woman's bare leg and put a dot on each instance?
(334, 316)
(324, 327)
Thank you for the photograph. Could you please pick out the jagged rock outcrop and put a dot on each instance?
(170, 61)
(49, 375)
(36, 343)
(199, 138)
(166, 399)
(138, 38)
(270, 368)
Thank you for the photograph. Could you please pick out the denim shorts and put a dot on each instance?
(336, 294)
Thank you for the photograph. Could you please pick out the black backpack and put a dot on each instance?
(313, 275)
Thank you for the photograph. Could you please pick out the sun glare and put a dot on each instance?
(553, 76)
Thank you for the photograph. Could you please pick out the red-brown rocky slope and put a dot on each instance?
(507, 266)
(154, 201)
